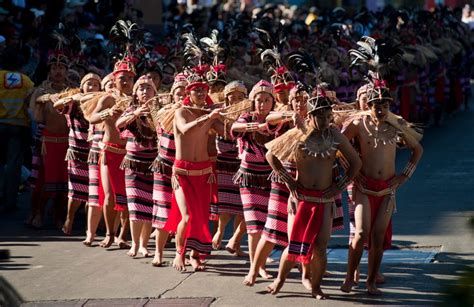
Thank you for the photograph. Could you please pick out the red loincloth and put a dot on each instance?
(197, 193)
(54, 169)
(307, 225)
(375, 202)
(112, 155)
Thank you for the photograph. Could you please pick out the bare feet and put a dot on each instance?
(37, 221)
(216, 240)
(67, 227)
(319, 294)
(264, 274)
(236, 252)
(89, 239)
(249, 280)
(133, 251)
(144, 252)
(240, 253)
(306, 282)
(108, 240)
(196, 264)
(123, 244)
(347, 286)
(157, 260)
(372, 289)
(356, 277)
(275, 286)
(178, 263)
(379, 279)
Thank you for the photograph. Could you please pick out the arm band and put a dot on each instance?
(409, 169)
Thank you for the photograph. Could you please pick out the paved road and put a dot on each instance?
(433, 211)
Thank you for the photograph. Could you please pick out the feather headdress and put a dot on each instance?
(193, 51)
(270, 54)
(126, 35)
(58, 55)
(378, 55)
(215, 50)
(304, 64)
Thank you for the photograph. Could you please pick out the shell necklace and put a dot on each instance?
(322, 147)
(388, 135)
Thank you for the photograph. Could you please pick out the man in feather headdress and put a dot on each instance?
(193, 173)
(49, 174)
(378, 132)
(111, 177)
(313, 149)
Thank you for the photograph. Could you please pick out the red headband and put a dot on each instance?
(195, 85)
(283, 86)
(187, 101)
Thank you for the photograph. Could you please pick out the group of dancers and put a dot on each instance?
(276, 159)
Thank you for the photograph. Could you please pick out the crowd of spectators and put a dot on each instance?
(26, 26)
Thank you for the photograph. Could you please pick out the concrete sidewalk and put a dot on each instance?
(433, 210)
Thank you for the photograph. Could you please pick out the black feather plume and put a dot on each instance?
(193, 51)
(59, 37)
(124, 34)
(379, 56)
(213, 48)
(301, 62)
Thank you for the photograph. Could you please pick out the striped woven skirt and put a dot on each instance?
(93, 199)
(36, 159)
(139, 189)
(255, 193)
(276, 225)
(229, 195)
(213, 207)
(93, 161)
(78, 183)
(255, 204)
(162, 191)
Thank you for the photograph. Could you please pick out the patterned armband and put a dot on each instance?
(105, 114)
(67, 101)
(343, 183)
(409, 169)
(251, 127)
(287, 115)
(284, 176)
